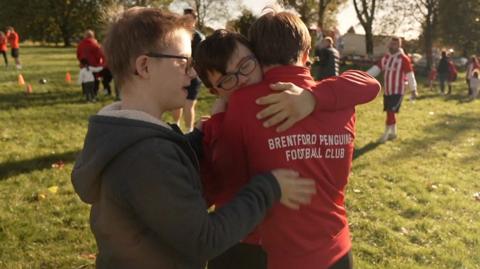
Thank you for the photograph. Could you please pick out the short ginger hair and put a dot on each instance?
(137, 31)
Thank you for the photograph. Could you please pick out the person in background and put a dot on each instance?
(432, 77)
(106, 80)
(13, 40)
(474, 84)
(397, 69)
(90, 49)
(328, 59)
(473, 64)
(86, 79)
(3, 47)
(444, 73)
(193, 89)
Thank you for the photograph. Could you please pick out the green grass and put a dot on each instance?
(410, 201)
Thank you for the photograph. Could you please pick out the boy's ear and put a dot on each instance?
(141, 66)
(306, 57)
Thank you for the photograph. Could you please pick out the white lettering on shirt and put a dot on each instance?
(311, 146)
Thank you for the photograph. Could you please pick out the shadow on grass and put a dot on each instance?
(368, 147)
(460, 98)
(426, 96)
(449, 128)
(456, 96)
(20, 100)
(13, 168)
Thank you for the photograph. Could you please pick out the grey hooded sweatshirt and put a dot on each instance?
(141, 178)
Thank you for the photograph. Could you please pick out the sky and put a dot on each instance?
(346, 17)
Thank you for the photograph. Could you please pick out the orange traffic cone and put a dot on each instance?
(68, 77)
(21, 81)
(29, 89)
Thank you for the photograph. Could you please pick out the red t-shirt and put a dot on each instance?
(3, 43)
(89, 49)
(432, 75)
(319, 147)
(13, 39)
(211, 186)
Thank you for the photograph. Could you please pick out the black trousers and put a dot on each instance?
(106, 79)
(240, 256)
(5, 58)
(96, 84)
(88, 90)
(346, 262)
(247, 256)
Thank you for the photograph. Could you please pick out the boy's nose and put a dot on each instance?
(243, 79)
(192, 73)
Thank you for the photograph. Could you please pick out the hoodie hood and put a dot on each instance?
(111, 132)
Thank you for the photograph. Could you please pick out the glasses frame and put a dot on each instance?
(237, 73)
(188, 66)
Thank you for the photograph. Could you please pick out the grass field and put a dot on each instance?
(411, 202)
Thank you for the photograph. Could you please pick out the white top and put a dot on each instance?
(475, 83)
(86, 75)
(470, 68)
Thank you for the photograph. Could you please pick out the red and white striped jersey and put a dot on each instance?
(395, 67)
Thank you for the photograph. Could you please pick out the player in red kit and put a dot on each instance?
(397, 69)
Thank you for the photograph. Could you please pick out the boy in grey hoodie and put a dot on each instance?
(140, 175)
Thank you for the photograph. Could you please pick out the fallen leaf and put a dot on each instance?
(58, 165)
(53, 189)
(41, 196)
(88, 256)
(432, 187)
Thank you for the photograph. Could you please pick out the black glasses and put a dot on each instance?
(246, 67)
(188, 60)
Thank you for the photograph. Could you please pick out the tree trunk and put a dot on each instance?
(67, 40)
(429, 45)
(66, 35)
(321, 13)
(369, 41)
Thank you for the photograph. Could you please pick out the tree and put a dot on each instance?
(327, 11)
(321, 12)
(51, 20)
(69, 16)
(63, 20)
(459, 22)
(429, 11)
(322, 8)
(243, 23)
(307, 9)
(143, 3)
(395, 17)
(366, 14)
(210, 12)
